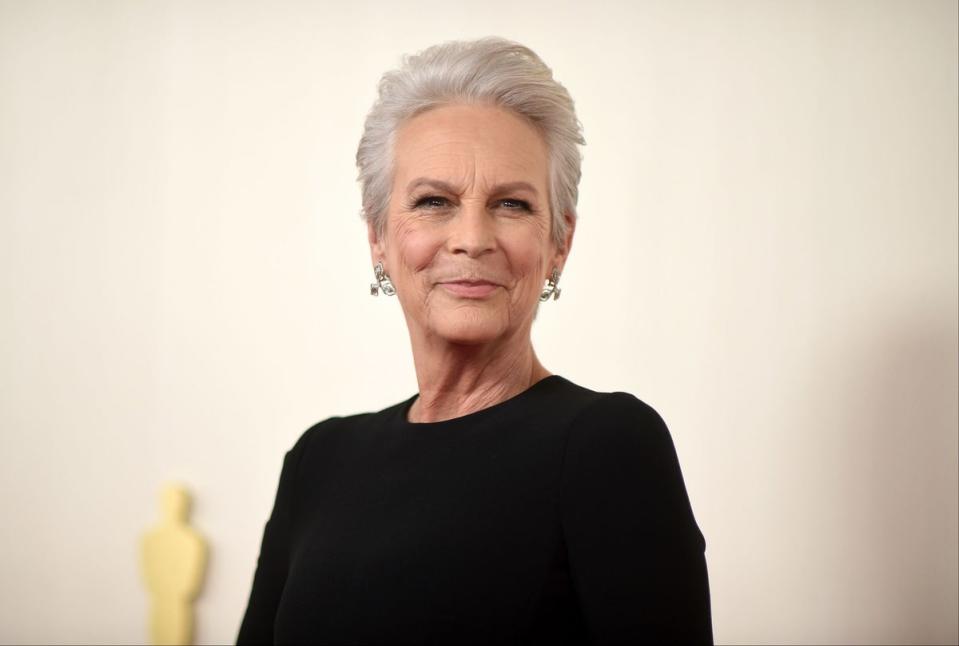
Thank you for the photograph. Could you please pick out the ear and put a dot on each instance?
(562, 253)
(377, 250)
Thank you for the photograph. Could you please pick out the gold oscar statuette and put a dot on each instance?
(173, 559)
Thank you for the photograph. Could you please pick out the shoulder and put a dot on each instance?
(605, 419)
(328, 430)
(619, 417)
(591, 407)
(620, 406)
(620, 458)
(618, 432)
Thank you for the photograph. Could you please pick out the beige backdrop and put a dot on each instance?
(767, 254)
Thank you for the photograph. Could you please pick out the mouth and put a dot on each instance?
(469, 288)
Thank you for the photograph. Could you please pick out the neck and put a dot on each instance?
(455, 379)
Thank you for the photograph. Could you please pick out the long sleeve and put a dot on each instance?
(635, 552)
(273, 561)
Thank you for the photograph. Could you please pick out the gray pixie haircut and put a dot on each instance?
(492, 71)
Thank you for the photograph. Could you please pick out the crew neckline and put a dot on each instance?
(499, 408)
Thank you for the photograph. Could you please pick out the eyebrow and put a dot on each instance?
(449, 188)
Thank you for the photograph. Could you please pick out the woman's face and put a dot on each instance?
(468, 241)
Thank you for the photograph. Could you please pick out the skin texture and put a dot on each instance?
(469, 353)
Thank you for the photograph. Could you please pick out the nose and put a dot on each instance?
(472, 231)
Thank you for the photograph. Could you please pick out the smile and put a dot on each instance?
(467, 289)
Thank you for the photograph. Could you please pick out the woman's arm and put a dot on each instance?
(636, 554)
(273, 562)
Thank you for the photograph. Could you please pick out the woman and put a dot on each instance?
(502, 503)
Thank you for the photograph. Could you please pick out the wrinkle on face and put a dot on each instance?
(473, 149)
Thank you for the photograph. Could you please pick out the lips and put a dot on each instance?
(469, 288)
(469, 282)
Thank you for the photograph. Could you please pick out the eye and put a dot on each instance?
(431, 202)
(516, 205)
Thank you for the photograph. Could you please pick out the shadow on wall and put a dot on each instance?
(892, 518)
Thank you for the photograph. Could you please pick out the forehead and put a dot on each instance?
(462, 143)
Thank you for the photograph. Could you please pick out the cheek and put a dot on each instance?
(527, 262)
(415, 247)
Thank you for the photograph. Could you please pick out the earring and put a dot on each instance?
(382, 282)
(551, 288)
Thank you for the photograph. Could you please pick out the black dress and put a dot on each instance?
(557, 516)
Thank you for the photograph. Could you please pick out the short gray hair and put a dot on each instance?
(489, 70)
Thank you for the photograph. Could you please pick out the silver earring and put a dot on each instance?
(551, 288)
(382, 282)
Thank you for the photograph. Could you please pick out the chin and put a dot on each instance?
(470, 328)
